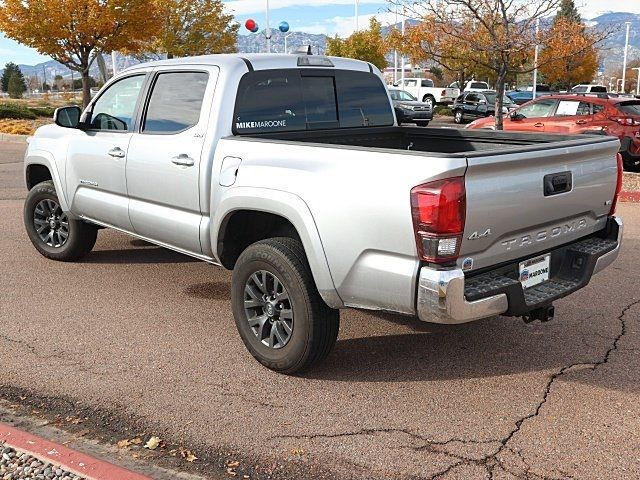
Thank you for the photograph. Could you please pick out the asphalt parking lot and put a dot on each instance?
(148, 334)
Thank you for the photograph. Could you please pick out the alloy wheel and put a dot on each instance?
(51, 223)
(268, 309)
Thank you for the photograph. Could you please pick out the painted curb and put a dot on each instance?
(68, 459)
(630, 197)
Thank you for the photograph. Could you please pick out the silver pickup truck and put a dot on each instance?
(291, 171)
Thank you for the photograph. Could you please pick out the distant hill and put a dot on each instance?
(612, 50)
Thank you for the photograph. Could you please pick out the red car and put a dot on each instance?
(579, 113)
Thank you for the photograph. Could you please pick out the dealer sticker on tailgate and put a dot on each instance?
(534, 271)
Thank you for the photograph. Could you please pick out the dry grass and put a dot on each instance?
(21, 127)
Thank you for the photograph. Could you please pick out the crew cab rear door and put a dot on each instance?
(165, 155)
(530, 200)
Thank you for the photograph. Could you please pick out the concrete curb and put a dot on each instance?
(8, 137)
(70, 460)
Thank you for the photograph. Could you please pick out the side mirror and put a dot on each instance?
(68, 117)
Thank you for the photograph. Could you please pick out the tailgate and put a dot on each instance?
(512, 215)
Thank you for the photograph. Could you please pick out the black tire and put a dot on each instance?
(429, 100)
(458, 116)
(422, 124)
(81, 236)
(314, 325)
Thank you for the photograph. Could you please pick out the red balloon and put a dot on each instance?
(250, 25)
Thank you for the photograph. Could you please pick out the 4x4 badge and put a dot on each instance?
(476, 235)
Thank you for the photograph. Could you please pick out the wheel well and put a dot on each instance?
(244, 227)
(37, 174)
(428, 95)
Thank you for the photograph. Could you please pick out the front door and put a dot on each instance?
(97, 155)
(531, 117)
(163, 166)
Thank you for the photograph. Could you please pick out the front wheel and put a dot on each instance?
(54, 234)
(281, 318)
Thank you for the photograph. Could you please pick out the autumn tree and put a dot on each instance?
(73, 32)
(195, 27)
(367, 45)
(495, 36)
(569, 55)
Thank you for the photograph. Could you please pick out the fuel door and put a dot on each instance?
(229, 171)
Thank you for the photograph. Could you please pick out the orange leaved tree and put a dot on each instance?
(73, 32)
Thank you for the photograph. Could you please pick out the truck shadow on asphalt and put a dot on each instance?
(144, 252)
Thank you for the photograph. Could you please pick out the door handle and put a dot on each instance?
(539, 125)
(116, 152)
(581, 122)
(183, 160)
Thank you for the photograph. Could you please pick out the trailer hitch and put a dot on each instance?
(544, 314)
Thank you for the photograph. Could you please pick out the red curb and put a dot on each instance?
(70, 460)
(630, 196)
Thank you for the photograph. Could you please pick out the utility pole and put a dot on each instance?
(395, 53)
(114, 65)
(624, 63)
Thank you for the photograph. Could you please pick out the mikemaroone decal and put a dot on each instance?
(262, 124)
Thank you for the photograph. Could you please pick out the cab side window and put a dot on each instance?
(175, 103)
(539, 109)
(115, 108)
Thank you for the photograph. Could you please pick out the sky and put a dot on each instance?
(314, 16)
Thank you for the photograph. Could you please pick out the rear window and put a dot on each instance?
(630, 108)
(292, 99)
(482, 85)
(427, 83)
(599, 89)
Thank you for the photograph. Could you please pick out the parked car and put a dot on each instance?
(291, 171)
(408, 109)
(477, 105)
(476, 86)
(521, 97)
(570, 113)
(589, 89)
(425, 90)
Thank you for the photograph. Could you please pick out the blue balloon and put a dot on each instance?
(255, 29)
(283, 27)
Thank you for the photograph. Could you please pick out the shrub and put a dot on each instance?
(42, 111)
(13, 110)
(442, 110)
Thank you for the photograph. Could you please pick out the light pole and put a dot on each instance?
(113, 63)
(356, 15)
(285, 42)
(268, 31)
(624, 63)
(535, 61)
(402, 56)
(638, 82)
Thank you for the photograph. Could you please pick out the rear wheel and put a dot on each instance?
(54, 234)
(429, 100)
(458, 116)
(281, 318)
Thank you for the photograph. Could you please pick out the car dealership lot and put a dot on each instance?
(148, 334)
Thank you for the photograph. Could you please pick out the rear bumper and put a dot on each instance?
(447, 296)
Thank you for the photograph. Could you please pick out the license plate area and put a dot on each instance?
(534, 271)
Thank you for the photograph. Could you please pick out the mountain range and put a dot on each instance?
(612, 51)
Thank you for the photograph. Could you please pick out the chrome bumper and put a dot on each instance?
(441, 293)
(608, 258)
(441, 299)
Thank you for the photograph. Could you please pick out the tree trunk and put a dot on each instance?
(86, 88)
(502, 75)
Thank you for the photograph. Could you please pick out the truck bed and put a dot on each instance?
(436, 141)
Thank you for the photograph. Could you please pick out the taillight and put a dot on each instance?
(438, 209)
(626, 121)
(614, 203)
